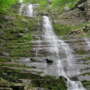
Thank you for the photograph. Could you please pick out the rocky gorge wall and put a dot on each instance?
(16, 34)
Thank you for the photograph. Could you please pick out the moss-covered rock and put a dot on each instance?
(17, 32)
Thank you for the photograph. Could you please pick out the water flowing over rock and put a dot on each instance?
(75, 85)
(87, 43)
(29, 10)
(52, 40)
(26, 10)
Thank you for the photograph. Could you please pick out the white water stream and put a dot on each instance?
(87, 43)
(29, 10)
(25, 9)
(52, 39)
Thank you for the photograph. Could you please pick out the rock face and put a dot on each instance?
(88, 9)
(5, 88)
(73, 17)
(76, 15)
(17, 87)
(12, 88)
(15, 37)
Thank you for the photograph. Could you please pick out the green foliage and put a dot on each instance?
(86, 83)
(41, 2)
(6, 4)
(18, 34)
(62, 3)
(50, 83)
(61, 29)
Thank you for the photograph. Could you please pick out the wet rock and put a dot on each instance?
(9, 18)
(17, 87)
(4, 54)
(81, 7)
(49, 61)
(49, 1)
(62, 78)
(44, 13)
(26, 29)
(33, 60)
(19, 35)
(74, 78)
(5, 88)
(1, 26)
(66, 8)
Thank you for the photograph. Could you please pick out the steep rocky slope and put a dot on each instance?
(16, 36)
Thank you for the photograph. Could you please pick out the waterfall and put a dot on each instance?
(75, 85)
(70, 60)
(87, 43)
(53, 42)
(26, 10)
(49, 35)
(29, 10)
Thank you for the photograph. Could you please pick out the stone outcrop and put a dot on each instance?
(88, 9)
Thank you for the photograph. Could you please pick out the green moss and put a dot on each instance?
(48, 82)
(17, 34)
(86, 84)
(60, 4)
(81, 52)
(86, 58)
(62, 29)
(5, 59)
(51, 83)
(9, 74)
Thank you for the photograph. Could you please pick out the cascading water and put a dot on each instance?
(72, 70)
(52, 39)
(87, 43)
(29, 10)
(49, 35)
(26, 10)
(53, 42)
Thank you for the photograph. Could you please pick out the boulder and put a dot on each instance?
(48, 61)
